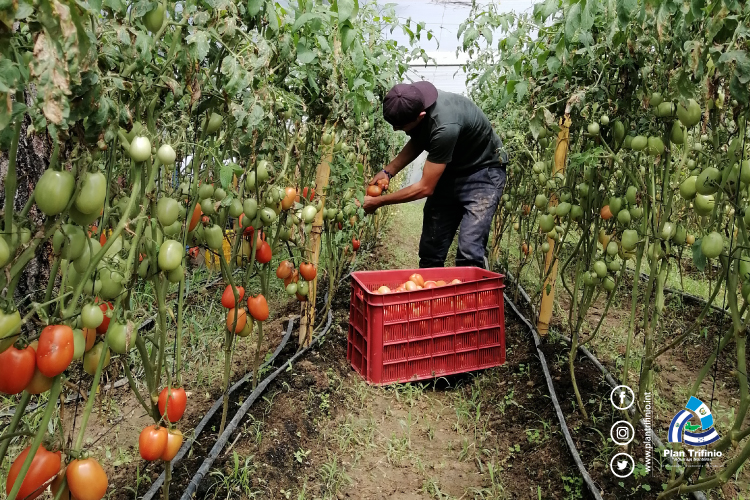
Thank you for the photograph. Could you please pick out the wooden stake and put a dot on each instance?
(548, 292)
(307, 315)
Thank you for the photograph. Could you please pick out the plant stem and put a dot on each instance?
(17, 415)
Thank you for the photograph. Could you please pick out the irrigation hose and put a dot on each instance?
(231, 426)
(214, 408)
(553, 396)
(697, 495)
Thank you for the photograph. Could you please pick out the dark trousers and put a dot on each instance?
(468, 201)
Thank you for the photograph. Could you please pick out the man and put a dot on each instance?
(463, 177)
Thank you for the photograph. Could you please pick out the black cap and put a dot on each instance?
(405, 101)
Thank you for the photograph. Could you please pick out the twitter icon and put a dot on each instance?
(622, 465)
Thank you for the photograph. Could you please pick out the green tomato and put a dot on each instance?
(154, 19)
(563, 209)
(170, 255)
(303, 288)
(267, 216)
(10, 323)
(624, 217)
(166, 155)
(630, 195)
(90, 198)
(250, 208)
(173, 230)
(214, 123)
(687, 188)
(655, 146)
(308, 214)
(79, 343)
(262, 171)
(636, 212)
(593, 128)
(656, 99)
(167, 211)
(600, 268)
(614, 266)
(712, 245)
(176, 275)
(690, 115)
(214, 236)
(612, 248)
(111, 283)
(69, 241)
(665, 110)
(708, 182)
(250, 182)
(608, 283)
(121, 337)
(291, 289)
(540, 201)
(639, 142)
(140, 149)
(4, 253)
(704, 204)
(205, 190)
(629, 239)
(677, 135)
(91, 358)
(235, 208)
(207, 206)
(546, 223)
(54, 191)
(219, 194)
(576, 212)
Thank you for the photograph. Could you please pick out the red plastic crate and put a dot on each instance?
(408, 336)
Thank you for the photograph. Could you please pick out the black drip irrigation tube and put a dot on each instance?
(231, 426)
(697, 495)
(214, 408)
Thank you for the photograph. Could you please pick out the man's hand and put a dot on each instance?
(371, 204)
(381, 179)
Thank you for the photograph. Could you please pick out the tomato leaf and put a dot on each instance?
(304, 54)
(698, 258)
(198, 44)
(253, 7)
(273, 18)
(225, 176)
(346, 8)
(347, 36)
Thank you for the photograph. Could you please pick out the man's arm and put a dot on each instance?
(408, 154)
(425, 187)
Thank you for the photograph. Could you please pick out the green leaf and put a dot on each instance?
(253, 7)
(273, 18)
(347, 36)
(698, 258)
(304, 54)
(302, 20)
(537, 123)
(487, 33)
(346, 8)
(225, 175)
(198, 44)
(572, 21)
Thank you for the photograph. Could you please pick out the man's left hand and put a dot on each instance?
(371, 204)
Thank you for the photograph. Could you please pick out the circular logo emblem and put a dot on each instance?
(622, 465)
(622, 397)
(622, 432)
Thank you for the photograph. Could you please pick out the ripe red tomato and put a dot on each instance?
(44, 467)
(258, 307)
(241, 320)
(152, 441)
(196, 217)
(301, 298)
(263, 253)
(284, 270)
(86, 479)
(290, 193)
(172, 406)
(374, 190)
(56, 348)
(308, 191)
(355, 244)
(308, 271)
(90, 336)
(227, 298)
(102, 328)
(174, 442)
(417, 278)
(16, 369)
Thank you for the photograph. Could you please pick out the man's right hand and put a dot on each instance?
(381, 179)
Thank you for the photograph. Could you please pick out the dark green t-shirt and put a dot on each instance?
(456, 132)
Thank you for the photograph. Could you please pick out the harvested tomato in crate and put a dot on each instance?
(454, 323)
